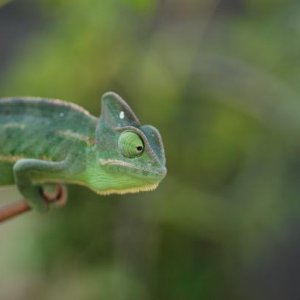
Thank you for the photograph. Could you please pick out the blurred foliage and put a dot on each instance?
(3, 2)
(220, 81)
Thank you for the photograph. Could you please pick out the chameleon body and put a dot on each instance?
(52, 141)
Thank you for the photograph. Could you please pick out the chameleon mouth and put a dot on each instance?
(145, 188)
(114, 162)
(120, 163)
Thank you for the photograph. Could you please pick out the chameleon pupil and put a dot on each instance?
(139, 148)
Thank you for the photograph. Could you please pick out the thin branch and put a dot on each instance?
(9, 211)
(12, 210)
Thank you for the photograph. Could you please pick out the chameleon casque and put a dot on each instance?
(52, 141)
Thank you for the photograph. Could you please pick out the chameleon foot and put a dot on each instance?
(56, 194)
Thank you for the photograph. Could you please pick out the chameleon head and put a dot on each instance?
(129, 156)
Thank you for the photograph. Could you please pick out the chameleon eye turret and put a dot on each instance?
(130, 144)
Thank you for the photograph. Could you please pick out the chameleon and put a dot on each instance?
(49, 141)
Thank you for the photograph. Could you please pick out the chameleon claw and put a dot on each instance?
(62, 195)
(58, 197)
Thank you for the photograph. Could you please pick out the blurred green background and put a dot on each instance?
(220, 79)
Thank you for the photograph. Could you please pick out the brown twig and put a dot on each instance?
(9, 211)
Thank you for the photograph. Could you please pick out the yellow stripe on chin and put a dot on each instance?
(146, 188)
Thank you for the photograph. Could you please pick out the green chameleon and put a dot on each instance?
(50, 141)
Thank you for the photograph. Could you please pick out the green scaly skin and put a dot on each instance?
(51, 141)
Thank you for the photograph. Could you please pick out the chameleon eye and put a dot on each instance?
(130, 144)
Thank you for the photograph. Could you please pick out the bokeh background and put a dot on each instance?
(220, 79)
